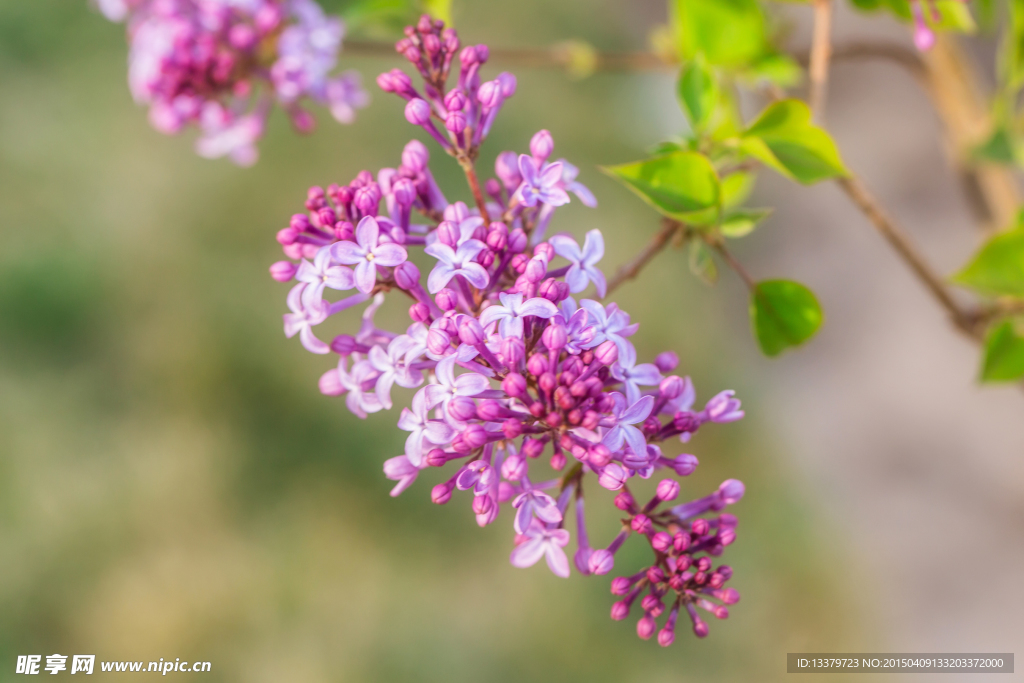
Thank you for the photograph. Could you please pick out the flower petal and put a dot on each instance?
(558, 563)
(365, 276)
(367, 233)
(348, 253)
(390, 254)
(527, 554)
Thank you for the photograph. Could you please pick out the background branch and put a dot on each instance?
(630, 270)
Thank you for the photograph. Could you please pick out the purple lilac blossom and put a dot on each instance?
(504, 365)
(221, 64)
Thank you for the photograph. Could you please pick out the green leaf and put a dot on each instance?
(783, 314)
(998, 267)
(676, 184)
(439, 9)
(781, 70)
(701, 262)
(1011, 63)
(742, 222)
(698, 91)
(730, 33)
(736, 187)
(953, 16)
(999, 148)
(784, 138)
(1004, 355)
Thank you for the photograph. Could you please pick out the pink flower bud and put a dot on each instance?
(514, 467)
(417, 112)
(455, 100)
(407, 275)
(555, 337)
(700, 526)
(511, 428)
(438, 341)
(514, 385)
(667, 361)
(641, 524)
(533, 447)
(330, 383)
(667, 489)
(537, 365)
(621, 585)
(415, 156)
(475, 435)
(441, 494)
(652, 604)
(731, 491)
(489, 94)
(462, 408)
(681, 541)
(541, 145)
(283, 271)
(646, 626)
(666, 637)
(482, 504)
(661, 542)
(601, 562)
(655, 575)
(625, 502)
(419, 312)
(599, 455)
(455, 122)
(620, 610)
(607, 353)
(612, 477)
(471, 332)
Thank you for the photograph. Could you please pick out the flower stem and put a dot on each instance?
(669, 228)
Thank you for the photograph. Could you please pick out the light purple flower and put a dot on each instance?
(449, 386)
(723, 407)
(584, 262)
(422, 427)
(452, 262)
(302, 319)
(509, 315)
(684, 401)
(400, 469)
(530, 503)
(321, 273)
(542, 542)
(540, 186)
(224, 135)
(359, 400)
(620, 425)
(366, 254)
(569, 173)
(609, 323)
(477, 475)
(634, 376)
(393, 368)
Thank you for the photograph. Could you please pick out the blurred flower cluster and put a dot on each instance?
(508, 366)
(222, 64)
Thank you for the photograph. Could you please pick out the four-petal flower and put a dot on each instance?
(512, 310)
(452, 262)
(584, 262)
(541, 185)
(543, 542)
(321, 273)
(366, 253)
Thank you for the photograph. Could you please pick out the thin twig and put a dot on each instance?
(900, 241)
(821, 51)
(719, 246)
(534, 57)
(630, 270)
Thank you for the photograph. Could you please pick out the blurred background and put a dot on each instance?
(172, 484)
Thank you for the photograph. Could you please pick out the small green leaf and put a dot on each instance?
(998, 267)
(783, 314)
(781, 70)
(953, 15)
(1011, 63)
(439, 9)
(784, 138)
(1004, 355)
(698, 91)
(730, 33)
(676, 184)
(736, 187)
(999, 148)
(702, 264)
(742, 222)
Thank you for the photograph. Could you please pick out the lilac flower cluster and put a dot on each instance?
(507, 364)
(222, 64)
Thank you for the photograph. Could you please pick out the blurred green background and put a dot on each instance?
(172, 484)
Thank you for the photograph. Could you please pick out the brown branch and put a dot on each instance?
(669, 228)
(719, 246)
(964, 319)
(533, 57)
(821, 51)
